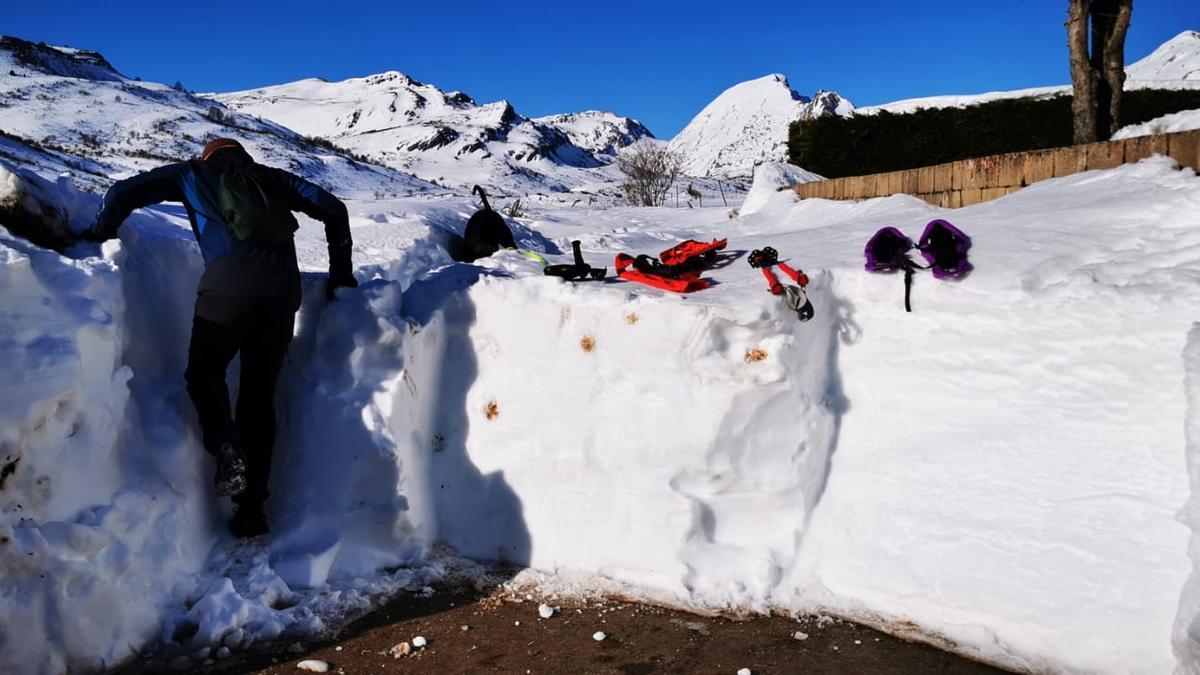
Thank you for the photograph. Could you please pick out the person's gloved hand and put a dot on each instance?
(339, 279)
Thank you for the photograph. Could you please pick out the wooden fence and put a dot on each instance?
(971, 181)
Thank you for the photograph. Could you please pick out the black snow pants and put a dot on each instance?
(261, 334)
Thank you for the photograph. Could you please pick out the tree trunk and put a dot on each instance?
(1083, 77)
(1112, 67)
(1098, 76)
(1102, 13)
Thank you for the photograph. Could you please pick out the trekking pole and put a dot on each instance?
(908, 276)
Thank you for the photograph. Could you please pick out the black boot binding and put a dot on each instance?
(580, 271)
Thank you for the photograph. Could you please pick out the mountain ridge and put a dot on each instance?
(446, 136)
(74, 112)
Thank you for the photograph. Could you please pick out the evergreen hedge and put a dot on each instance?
(865, 144)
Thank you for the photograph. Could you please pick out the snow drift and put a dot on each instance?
(770, 178)
(998, 471)
(1185, 120)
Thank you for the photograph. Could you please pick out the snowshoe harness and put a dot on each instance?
(943, 246)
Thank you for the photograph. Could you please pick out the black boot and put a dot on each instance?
(248, 521)
(231, 471)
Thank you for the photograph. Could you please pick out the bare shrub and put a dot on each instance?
(649, 169)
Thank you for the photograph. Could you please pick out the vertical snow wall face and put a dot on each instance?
(100, 520)
(349, 489)
(650, 440)
(1009, 472)
(1187, 621)
(110, 537)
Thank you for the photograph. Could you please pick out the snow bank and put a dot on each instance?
(770, 178)
(640, 436)
(1186, 120)
(110, 539)
(346, 480)
(1011, 463)
(41, 211)
(1004, 464)
(93, 529)
(998, 471)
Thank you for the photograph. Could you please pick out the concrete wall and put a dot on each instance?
(971, 181)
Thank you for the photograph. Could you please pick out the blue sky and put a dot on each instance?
(658, 62)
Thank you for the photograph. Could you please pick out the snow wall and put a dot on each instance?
(110, 538)
(1187, 622)
(1000, 477)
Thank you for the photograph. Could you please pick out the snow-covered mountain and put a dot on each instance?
(443, 136)
(748, 124)
(70, 109)
(1176, 59)
(598, 132)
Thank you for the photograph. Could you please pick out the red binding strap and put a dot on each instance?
(776, 287)
(798, 276)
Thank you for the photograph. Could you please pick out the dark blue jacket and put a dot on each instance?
(233, 269)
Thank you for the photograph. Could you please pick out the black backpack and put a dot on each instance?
(253, 207)
(486, 232)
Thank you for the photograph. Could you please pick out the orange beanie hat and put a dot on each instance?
(218, 144)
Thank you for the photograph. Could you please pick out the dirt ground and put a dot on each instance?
(473, 634)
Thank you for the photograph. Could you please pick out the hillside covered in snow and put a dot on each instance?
(70, 110)
(446, 137)
(1176, 60)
